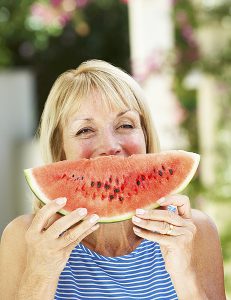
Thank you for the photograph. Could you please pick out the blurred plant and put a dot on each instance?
(26, 26)
(190, 17)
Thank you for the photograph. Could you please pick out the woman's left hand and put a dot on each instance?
(174, 231)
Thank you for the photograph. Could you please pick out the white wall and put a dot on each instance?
(17, 124)
(151, 40)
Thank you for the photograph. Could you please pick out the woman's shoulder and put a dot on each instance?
(207, 235)
(16, 229)
(204, 223)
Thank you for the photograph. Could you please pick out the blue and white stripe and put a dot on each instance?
(135, 276)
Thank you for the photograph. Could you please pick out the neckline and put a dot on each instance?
(94, 254)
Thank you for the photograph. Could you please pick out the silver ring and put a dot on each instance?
(170, 229)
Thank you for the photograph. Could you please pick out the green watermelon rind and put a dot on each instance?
(44, 199)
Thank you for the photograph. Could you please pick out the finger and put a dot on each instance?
(180, 201)
(159, 227)
(51, 220)
(64, 223)
(161, 215)
(72, 235)
(170, 207)
(46, 212)
(161, 239)
(71, 246)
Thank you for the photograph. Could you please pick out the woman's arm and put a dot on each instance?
(207, 257)
(31, 258)
(190, 247)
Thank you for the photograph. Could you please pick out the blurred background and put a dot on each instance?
(180, 53)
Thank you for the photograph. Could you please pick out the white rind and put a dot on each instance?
(196, 160)
(34, 186)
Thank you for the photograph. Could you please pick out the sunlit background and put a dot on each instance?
(179, 51)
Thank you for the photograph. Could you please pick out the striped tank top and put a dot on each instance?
(138, 275)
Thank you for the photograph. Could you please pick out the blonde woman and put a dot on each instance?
(94, 110)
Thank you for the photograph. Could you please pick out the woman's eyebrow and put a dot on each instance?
(123, 112)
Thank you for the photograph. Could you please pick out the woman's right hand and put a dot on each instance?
(48, 250)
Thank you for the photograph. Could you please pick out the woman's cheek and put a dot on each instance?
(134, 144)
(84, 149)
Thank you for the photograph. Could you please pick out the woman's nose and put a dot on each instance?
(109, 144)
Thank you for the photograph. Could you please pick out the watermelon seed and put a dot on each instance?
(154, 170)
(160, 173)
(92, 183)
(99, 184)
(110, 179)
(121, 198)
(170, 171)
(143, 177)
(111, 197)
(73, 175)
(163, 168)
(138, 182)
(107, 186)
(116, 190)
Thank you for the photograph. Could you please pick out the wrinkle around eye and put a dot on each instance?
(84, 131)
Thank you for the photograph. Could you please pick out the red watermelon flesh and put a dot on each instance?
(114, 186)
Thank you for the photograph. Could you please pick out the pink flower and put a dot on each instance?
(82, 3)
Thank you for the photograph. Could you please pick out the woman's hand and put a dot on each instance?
(174, 231)
(49, 247)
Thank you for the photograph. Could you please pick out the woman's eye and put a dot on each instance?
(126, 126)
(83, 131)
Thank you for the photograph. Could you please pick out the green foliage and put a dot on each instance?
(188, 20)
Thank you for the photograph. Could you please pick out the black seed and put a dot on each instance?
(116, 190)
(82, 177)
(121, 198)
(138, 182)
(160, 173)
(143, 177)
(107, 186)
(92, 183)
(99, 184)
(163, 168)
(73, 175)
(110, 179)
(111, 197)
(170, 171)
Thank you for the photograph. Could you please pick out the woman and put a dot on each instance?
(92, 111)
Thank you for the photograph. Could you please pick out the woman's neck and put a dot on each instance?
(113, 239)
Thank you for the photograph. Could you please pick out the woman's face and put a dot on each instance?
(93, 131)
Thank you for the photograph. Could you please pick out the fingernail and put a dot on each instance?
(135, 219)
(140, 211)
(161, 200)
(81, 211)
(61, 201)
(94, 218)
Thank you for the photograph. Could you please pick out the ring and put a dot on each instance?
(170, 229)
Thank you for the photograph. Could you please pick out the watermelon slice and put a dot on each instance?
(114, 186)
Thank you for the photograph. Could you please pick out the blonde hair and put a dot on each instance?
(116, 88)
